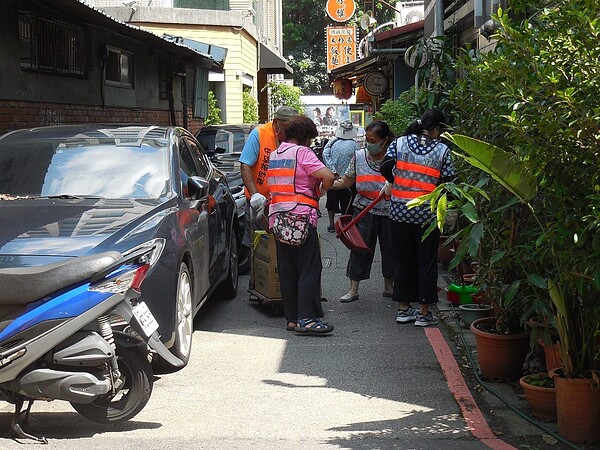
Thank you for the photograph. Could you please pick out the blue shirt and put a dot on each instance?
(251, 149)
(338, 153)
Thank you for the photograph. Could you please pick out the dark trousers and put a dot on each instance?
(372, 228)
(300, 278)
(340, 200)
(416, 274)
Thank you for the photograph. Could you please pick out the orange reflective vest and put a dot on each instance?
(369, 183)
(268, 142)
(282, 183)
(416, 175)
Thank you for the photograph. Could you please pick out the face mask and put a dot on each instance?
(373, 149)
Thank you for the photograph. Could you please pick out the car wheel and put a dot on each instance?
(228, 288)
(184, 326)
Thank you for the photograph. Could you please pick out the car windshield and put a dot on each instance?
(81, 166)
(222, 140)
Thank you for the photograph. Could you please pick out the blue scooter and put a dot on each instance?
(77, 331)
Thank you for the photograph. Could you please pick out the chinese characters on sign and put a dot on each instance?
(340, 10)
(341, 46)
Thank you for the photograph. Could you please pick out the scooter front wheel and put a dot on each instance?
(137, 379)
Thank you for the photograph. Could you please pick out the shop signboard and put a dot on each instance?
(341, 46)
(340, 10)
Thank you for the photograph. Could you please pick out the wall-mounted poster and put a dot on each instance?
(357, 118)
(327, 117)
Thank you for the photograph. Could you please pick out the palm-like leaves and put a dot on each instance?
(503, 167)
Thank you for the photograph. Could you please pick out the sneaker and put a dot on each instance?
(410, 315)
(331, 229)
(425, 321)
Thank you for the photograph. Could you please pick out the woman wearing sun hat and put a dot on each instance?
(337, 155)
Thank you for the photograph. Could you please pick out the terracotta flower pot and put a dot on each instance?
(577, 409)
(541, 399)
(552, 356)
(501, 356)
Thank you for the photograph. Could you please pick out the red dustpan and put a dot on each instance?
(345, 228)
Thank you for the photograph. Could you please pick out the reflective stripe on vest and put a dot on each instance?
(369, 183)
(415, 174)
(281, 176)
(268, 142)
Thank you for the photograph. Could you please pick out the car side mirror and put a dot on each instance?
(220, 150)
(197, 188)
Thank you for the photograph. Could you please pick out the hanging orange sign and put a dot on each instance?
(341, 10)
(341, 46)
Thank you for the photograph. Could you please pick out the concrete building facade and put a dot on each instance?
(249, 31)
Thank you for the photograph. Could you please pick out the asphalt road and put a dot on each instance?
(372, 384)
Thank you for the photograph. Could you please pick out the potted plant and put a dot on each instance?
(484, 239)
(577, 379)
(471, 312)
(544, 338)
(575, 312)
(540, 395)
(550, 125)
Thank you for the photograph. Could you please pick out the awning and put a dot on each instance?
(217, 53)
(387, 45)
(271, 61)
(356, 68)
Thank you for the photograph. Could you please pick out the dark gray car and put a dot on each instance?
(70, 191)
(224, 144)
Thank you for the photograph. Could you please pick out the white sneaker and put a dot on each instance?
(425, 321)
(410, 315)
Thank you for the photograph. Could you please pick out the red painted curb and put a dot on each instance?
(456, 382)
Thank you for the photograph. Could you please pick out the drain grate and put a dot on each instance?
(326, 262)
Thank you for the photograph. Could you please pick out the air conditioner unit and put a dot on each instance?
(409, 12)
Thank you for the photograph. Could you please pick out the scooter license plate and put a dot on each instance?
(145, 319)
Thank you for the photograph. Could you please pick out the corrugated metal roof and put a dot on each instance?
(87, 13)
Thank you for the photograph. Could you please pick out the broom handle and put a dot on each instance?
(363, 213)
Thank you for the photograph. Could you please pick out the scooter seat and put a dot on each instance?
(21, 285)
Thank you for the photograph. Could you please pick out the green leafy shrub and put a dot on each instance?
(250, 108)
(214, 112)
(283, 94)
(536, 96)
(399, 113)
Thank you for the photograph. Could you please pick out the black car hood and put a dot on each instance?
(42, 231)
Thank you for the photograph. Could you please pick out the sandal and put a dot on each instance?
(291, 326)
(313, 326)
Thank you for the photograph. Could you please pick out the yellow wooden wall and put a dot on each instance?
(242, 57)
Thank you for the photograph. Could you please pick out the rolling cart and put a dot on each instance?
(265, 279)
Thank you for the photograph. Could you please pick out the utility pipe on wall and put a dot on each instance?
(439, 18)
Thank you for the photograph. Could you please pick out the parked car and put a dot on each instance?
(224, 144)
(77, 190)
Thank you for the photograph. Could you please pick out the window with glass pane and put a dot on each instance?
(119, 68)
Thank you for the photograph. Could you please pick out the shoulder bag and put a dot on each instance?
(291, 228)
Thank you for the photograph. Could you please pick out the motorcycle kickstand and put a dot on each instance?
(19, 417)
